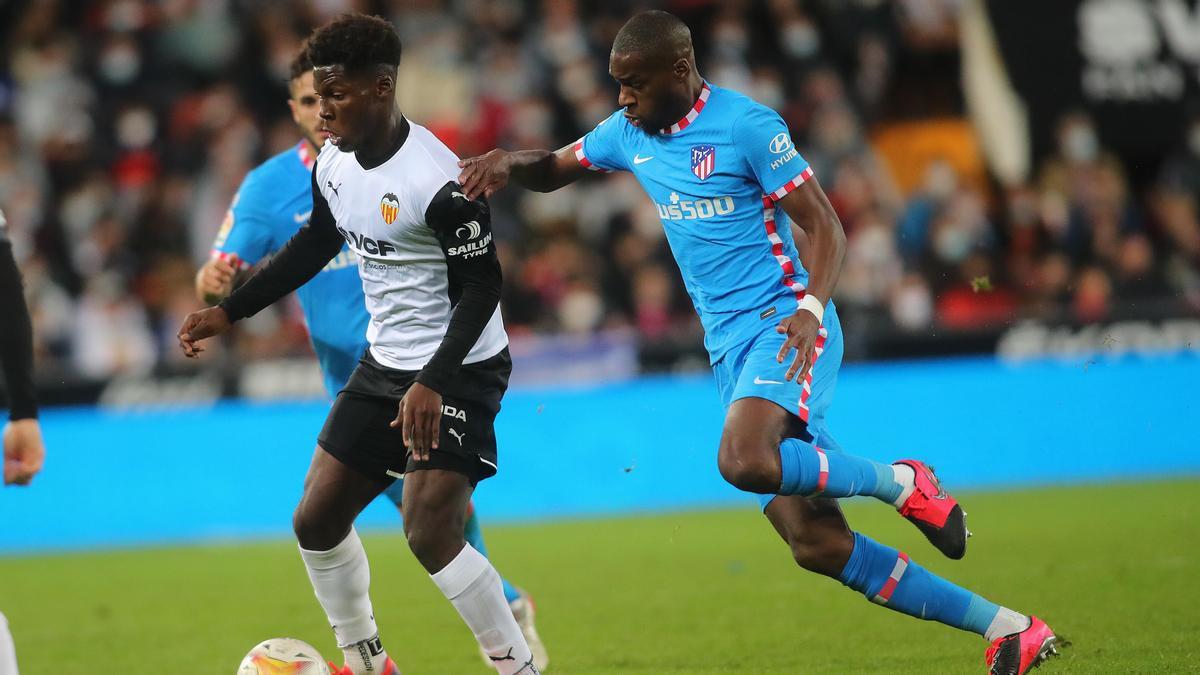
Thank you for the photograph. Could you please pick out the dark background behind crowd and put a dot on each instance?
(126, 127)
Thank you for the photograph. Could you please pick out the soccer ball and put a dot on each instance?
(280, 656)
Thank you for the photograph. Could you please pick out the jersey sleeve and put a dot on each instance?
(600, 148)
(463, 228)
(246, 231)
(765, 143)
(16, 336)
(305, 254)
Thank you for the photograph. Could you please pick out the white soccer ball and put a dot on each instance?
(278, 656)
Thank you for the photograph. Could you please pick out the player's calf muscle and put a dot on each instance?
(434, 516)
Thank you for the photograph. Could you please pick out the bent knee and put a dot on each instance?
(824, 554)
(431, 539)
(315, 533)
(750, 467)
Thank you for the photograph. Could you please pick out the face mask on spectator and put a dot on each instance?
(1080, 144)
(912, 306)
(730, 39)
(800, 40)
(952, 244)
(120, 63)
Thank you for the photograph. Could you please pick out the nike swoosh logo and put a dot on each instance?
(302, 218)
(638, 159)
(759, 380)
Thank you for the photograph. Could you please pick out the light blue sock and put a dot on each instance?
(809, 470)
(472, 533)
(395, 492)
(887, 577)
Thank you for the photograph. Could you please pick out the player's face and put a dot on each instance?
(305, 111)
(352, 107)
(654, 95)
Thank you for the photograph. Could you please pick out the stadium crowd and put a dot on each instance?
(125, 128)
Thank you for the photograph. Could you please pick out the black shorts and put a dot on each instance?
(358, 431)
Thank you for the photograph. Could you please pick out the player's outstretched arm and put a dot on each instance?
(305, 254)
(824, 251)
(537, 170)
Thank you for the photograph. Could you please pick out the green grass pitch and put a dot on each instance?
(1112, 567)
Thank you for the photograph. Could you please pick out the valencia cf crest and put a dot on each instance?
(389, 207)
(704, 160)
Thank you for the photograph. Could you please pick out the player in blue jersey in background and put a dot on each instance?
(728, 184)
(273, 202)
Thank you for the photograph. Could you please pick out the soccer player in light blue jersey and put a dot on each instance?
(273, 202)
(728, 184)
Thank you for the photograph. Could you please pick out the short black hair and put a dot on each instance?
(654, 34)
(300, 65)
(356, 42)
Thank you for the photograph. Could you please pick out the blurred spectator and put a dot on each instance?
(131, 125)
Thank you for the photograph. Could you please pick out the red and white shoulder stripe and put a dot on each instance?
(229, 258)
(584, 161)
(792, 184)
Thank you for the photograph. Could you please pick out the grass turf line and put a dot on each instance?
(695, 593)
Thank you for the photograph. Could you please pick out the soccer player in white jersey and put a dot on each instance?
(422, 402)
(23, 449)
(275, 200)
(726, 179)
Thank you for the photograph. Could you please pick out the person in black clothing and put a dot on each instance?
(23, 449)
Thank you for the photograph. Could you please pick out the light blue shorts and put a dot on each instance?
(750, 370)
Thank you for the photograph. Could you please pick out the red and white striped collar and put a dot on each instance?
(693, 113)
(307, 158)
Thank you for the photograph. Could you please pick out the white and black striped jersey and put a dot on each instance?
(425, 253)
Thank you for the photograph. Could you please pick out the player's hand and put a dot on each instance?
(801, 329)
(214, 281)
(200, 325)
(420, 420)
(24, 452)
(484, 175)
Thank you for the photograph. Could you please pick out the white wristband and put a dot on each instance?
(812, 304)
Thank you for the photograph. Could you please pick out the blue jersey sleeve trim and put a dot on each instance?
(600, 148)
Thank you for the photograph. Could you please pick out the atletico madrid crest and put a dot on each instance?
(704, 160)
(389, 206)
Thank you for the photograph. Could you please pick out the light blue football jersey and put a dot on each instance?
(275, 200)
(715, 177)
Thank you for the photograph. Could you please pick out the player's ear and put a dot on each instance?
(385, 85)
(681, 69)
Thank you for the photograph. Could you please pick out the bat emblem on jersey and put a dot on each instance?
(389, 208)
(469, 230)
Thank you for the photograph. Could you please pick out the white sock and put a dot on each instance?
(904, 475)
(472, 585)
(8, 653)
(1006, 623)
(341, 578)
